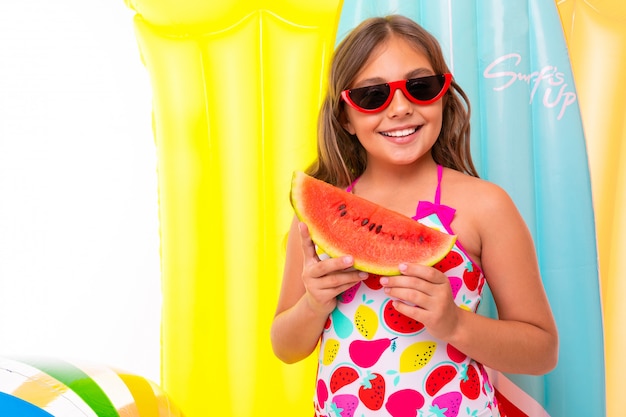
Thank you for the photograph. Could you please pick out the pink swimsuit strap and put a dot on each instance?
(426, 208)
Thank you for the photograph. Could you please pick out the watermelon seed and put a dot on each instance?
(379, 228)
(372, 226)
(364, 222)
(343, 213)
(341, 207)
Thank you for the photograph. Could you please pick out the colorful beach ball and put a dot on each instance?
(55, 388)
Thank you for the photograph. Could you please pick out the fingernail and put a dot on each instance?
(363, 275)
(402, 267)
(384, 281)
(347, 260)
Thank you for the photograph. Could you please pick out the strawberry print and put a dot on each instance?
(447, 405)
(372, 391)
(344, 405)
(470, 382)
(471, 276)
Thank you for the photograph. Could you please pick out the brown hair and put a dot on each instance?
(340, 156)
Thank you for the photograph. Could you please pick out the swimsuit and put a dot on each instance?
(374, 361)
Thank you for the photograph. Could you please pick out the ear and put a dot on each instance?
(347, 125)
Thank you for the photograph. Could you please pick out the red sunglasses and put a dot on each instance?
(375, 98)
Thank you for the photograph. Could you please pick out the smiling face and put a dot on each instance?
(403, 133)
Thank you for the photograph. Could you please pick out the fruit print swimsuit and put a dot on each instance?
(373, 361)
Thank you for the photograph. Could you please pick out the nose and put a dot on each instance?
(400, 105)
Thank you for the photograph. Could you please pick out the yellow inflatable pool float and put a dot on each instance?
(596, 35)
(226, 151)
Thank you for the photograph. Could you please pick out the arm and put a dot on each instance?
(524, 338)
(308, 295)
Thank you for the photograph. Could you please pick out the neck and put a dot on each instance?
(399, 175)
(399, 189)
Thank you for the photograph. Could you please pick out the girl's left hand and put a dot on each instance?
(424, 294)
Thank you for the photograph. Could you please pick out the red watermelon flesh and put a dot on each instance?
(379, 239)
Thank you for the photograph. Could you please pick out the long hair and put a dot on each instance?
(340, 156)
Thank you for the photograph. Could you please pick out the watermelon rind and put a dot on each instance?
(340, 223)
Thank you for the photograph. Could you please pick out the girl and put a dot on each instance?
(394, 129)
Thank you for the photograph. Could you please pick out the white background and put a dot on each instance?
(79, 232)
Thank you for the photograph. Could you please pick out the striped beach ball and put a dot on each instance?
(45, 387)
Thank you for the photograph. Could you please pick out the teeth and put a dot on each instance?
(400, 133)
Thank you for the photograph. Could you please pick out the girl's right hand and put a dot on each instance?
(325, 279)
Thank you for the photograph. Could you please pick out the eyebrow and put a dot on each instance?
(416, 73)
(420, 72)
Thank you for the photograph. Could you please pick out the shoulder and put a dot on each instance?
(471, 192)
(485, 213)
(485, 208)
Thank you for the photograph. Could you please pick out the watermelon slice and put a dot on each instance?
(341, 223)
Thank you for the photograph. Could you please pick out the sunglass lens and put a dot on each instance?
(425, 88)
(371, 97)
